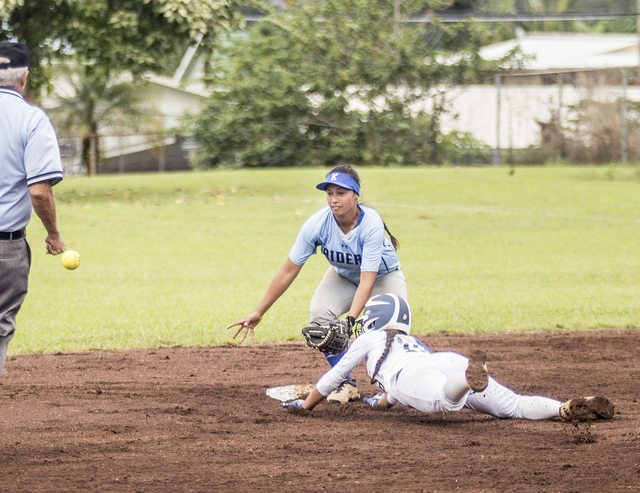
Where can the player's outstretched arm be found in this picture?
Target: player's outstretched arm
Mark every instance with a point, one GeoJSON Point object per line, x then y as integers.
{"type": "Point", "coordinates": [309, 403]}
{"type": "Point", "coordinates": [279, 284]}
{"type": "Point", "coordinates": [313, 399]}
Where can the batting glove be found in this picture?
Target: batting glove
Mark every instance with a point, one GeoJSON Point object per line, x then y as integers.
{"type": "Point", "coordinates": [297, 403]}
{"type": "Point", "coordinates": [373, 401]}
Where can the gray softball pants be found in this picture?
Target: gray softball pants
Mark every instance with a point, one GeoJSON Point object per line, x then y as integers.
{"type": "Point", "coordinates": [15, 262]}
{"type": "Point", "coordinates": [335, 294]}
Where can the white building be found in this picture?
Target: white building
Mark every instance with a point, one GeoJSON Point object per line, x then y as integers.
{"type": "Point", "coordinates": [506, 115]}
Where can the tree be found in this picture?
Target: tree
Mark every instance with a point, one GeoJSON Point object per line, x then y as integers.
{"type": "Point", "coordinates": [91, 101]}
{"type": "Point", "coordinates": [338, 80]}
{"type": "Point", "coordinates": [115, 35]}
{"type": "Point", "coordinates": [104, 40]}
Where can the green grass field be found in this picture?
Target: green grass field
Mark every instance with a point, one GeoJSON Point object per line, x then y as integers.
{"type": "Point", "coordinates": [172, 259]}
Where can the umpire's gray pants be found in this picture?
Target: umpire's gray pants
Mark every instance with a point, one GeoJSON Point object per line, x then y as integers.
{"type": "Point", "coordinates": [15, 261]}
{"type": "Point", "coordinates": [335, 294]}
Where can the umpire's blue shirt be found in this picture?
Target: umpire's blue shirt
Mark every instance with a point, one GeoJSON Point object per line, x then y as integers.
{"type": "Point", "coordinates": [29, 154]}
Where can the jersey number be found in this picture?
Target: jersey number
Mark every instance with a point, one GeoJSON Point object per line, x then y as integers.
{"type": "Point", "coordinates": [415, 346]}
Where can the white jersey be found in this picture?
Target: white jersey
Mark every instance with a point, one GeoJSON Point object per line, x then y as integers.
{"type": "Point", "coordinates": [363, 249]}
{"type": "Point", "coordinates": [369, 347]}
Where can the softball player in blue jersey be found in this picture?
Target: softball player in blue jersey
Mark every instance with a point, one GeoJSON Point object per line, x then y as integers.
{"type": "Point", "coordinates": [363, 262]}
{"type": "Point", "coordinates": [409, 373]}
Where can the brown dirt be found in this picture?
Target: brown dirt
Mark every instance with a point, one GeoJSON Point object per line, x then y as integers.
{"type": "Point", "coordinates": [197, 419]}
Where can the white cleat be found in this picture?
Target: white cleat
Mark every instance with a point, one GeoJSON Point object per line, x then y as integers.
{"type": "Point", "coordinates": [346, 391]}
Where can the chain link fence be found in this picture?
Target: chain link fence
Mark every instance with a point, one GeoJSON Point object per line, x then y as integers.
{"type": "Point", "coordinates": [568, 116]}
{"type": "Point", "coordinates": [124, 153]}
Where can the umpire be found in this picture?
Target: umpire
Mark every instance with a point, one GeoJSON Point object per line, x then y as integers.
{"type": "Point", "coordinates": [29, 167]}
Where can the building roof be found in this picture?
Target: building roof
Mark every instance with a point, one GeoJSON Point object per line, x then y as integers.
{"type": "Point", "coordinates": [567, 51]}
{"type": "Point", "coordinates": [188, 75]}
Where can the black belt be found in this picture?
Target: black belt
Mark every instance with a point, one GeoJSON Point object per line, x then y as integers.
{"type": "Point", "coordinates": [14, 235]}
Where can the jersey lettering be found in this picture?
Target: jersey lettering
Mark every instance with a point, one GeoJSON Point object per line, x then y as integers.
{"type": "Point", "coordinates": [341, 257]}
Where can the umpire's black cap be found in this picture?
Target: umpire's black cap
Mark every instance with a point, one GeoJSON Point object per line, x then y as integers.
{"type": "Point", "coordinates": [14, 55]}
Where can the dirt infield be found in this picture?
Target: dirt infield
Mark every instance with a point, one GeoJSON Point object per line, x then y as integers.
{"type": "Point", "coordinates": [198, 420]}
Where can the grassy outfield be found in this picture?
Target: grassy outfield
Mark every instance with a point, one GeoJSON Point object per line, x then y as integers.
{"type": "Point", "coordinates": [171, 259]}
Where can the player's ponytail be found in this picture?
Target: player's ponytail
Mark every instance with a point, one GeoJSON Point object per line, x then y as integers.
{"type": "Point", "coordinates": [391, 333]}
{"type": "Point", "coordinates": [394, 240]}
{"type": "Point", "coordinates": [348, 170]}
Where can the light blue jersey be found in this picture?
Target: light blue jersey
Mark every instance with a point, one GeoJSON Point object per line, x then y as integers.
{"type": "Point", "coordinates": [364, 249]}
{"type": "Point", "coordinates": [29, 154]}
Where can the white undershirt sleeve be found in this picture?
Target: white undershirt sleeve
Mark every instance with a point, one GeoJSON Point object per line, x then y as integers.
{"type": "Point", "coordinates": [355, 355]}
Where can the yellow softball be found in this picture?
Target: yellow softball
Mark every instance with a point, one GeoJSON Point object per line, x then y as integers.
{"type": "Point", "coordinates": [70, 259]}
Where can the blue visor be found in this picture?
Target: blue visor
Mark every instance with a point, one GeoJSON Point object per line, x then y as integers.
{"type": "Point", "coordinates": [341, 180]}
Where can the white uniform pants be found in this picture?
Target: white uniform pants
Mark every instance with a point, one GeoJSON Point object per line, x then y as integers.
{"type": "Point", "coordinates": [421, 383]}
{"type": "Point", "coordinates": [335, 294]}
